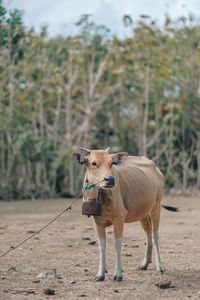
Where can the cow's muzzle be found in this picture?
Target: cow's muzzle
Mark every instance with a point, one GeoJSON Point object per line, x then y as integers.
{"type": "Point", "coordinates": [109, 182]}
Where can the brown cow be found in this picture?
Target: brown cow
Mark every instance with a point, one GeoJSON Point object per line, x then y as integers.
{"type": "Point", "coordinates": [132, 191]}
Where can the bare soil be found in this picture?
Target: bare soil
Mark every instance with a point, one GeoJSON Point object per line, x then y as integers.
{"type": "Point", "coordinates": [67, 253]}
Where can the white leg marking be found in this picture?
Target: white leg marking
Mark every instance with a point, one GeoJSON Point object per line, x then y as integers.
{"type": "Point", "coordinates": [158, 259]}
{"type": "Point", "coordinates": [102, 249]}
{"type": "Point", "coordinates": [118, 267]}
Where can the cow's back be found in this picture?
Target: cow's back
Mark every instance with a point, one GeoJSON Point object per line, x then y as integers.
{"type": "Point", "coordinates": [138, 183]}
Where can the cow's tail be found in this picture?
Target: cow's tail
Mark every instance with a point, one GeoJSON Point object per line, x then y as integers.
{"type": "Point", "coordinates": [171, 208]}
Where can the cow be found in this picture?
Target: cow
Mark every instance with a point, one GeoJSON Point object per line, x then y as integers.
{"type": "Point", "coordinates": [131, 190]}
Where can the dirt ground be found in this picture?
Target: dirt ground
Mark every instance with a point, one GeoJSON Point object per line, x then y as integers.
{"type": "Point", "coordinates": [67, 254]}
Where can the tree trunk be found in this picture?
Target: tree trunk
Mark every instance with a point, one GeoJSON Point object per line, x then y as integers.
{"type": "Point", "coordinates": [198, 165]}
{"type": "Point", "coordinates": [41, 113]}
{"type": "Point", "coordinates": [185, 165]}
{"type": "Point", "coordinates": [146, 111]}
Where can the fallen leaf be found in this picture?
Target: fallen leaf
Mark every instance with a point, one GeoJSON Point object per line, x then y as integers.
{"type": "Point", "coordinates": [60, 281]}
{"type": "Point", "coordinates": [36, 281]}
{"type": "Point", "coordinates": [12, 269]}
{"type": "Point", "coordinates": [72, 281]}
{"type": "Point", "coordinates": [170, 251]}
{"type": "Point", "coordinates": [92, 243]}
{"type": "Point", "coordinates": [127, 254]}
{"type": "Point", "coordinates": [76, 265]}
{"type": "Point", "coordinates": [163, 284]}
{"type": "Point", "coordinates": [48, 291]}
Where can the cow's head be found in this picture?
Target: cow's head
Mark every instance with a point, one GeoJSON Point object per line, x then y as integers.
{"type": "Point", "coordinates": [99, 164]}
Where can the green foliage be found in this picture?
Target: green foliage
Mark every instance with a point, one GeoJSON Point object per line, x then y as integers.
{"type": "Point", "coordinates": [95, 90]}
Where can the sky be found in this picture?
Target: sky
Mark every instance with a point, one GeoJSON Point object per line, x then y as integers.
{"type": "Point", "coordinates": [61, 15]}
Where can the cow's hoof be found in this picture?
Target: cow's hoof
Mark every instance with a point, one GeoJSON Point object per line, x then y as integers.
{"type": "Point", "coordinates": [162, 270]}
{"type": "Point", "coordinates": [117, 278]}
{"type": "Point", "coordinates": [99, 278]}
{"type": "Point", "coordinates": [142, 267]}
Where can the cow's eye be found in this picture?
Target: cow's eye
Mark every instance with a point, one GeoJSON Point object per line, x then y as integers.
{"type": "Point", "coordinates": [94, 164]}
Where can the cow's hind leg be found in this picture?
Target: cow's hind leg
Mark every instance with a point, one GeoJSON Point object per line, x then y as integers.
{"type": "Point", "coordinates": [146, 224]}
{"type": "Point", "coordinates": [155, 220]}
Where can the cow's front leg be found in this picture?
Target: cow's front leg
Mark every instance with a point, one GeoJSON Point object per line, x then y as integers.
{"type": "Point", "coordinates": [118, 224]}
{"type": "Point", "coordinates": [102, 249]}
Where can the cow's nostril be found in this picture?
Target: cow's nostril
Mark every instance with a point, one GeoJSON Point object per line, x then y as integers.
{"type": "Point", "coordinates": [110, 180]}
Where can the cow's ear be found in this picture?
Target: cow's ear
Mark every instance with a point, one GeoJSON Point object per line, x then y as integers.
{"type": "Point", "coordinates": [79, 157]}
{"type": "Point", "coordinates": [119, 157]}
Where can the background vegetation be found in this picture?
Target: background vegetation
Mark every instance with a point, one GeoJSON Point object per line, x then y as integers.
{"type": "Point", "coordinates": [139, 94]}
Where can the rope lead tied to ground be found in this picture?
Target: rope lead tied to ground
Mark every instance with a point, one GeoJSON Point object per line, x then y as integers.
{"type": "Point", "coordinates": [87, 188]}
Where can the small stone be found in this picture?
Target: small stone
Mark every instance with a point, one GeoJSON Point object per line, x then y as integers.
{"type": "Point", "coordinates": [85, 270]}
{"type": "Point", "coordinates": [92, 243]}
{"type": "Point", "coordinates": [72, 281]}
{"type": "Point", "coordinates": [85, 238]}
{"type": "Point", "coordinates": [135, 246]}
{"type": "Point", "coordinates": [12, 269]}
{"type": "Point", "coordinates": [127, 254]}
{"type": "Point", "coordinates": [25, 271]}
{"type": "Point", "coordinates": [76, 265]}
{"type": "Point", "coordinates": [36, 281]}
{"type": "Point", "coordinates": [116, 291]}
{"type": "Point", "coordinates": [170, 251]}
{"type": "Point", "coordinates": [49, 274]}
{"type": "Point", "coordinates": [48, 291]}
{"type": "Point", "coordinates": [60, 281]}
{"type": "Point", "coordinates": [163, 284]}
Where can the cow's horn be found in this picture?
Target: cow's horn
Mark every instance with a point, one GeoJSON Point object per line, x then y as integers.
{"type": "Point", "coordinates": [108, 149]}
{"type": "Point", "coordinates": [86, 150]}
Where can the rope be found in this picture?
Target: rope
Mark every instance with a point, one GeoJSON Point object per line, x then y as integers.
{"type": "Point", "coordinates": [87, 188]}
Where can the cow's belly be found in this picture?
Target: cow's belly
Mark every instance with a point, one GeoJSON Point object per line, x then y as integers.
{"type": "Point", "coordinates": [138, 209]}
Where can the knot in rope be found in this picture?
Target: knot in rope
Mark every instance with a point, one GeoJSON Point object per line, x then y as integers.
{"type": "Point", "coordinates": [88, 187]}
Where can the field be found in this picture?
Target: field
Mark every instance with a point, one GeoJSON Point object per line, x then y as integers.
{"type": "Point", "coordinates": [67, 255]}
